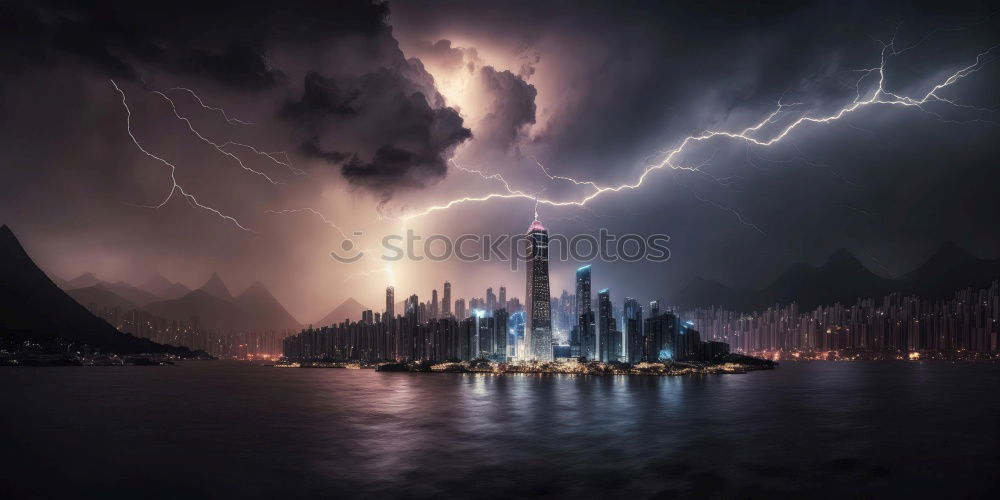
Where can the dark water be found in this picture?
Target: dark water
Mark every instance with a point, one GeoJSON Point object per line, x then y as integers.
{"type": "Point", "coordinates": [227, 429]}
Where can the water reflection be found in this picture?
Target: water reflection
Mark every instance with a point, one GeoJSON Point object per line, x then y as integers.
{"type": "Point", "coordinates": [806, 429]}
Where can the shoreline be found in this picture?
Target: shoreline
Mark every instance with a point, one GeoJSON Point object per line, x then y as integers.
{"type": "Point", "coordinates": [482, 366]}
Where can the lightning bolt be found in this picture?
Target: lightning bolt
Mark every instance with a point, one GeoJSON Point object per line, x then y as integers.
{"type": "Point", "coordinates": [230, 120]}
{"type": "Point", "coordinates": [175, 187]}
{"type": "Point", "coordinates": [315, 212]}
{"type": "Point", "coordinates": [272, 156]}
{"type": "Point", "coordinates": [218, 147]}
{"type": "Point", "coordinates": [752, 135]}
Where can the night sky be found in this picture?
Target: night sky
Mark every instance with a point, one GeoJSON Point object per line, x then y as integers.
{"type": "Point", "coordinates": [368, 112]}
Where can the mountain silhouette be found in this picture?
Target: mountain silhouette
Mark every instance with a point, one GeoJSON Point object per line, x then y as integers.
{"type": "Point", "coordinates": [123, 289]}
{"type": "Point", "coordinates": [349, 309]}
{"type": "Point", "coordinates": [208, 310]}
{"type": "Point", "coordinates": [84, 280]}
{"type": "Point", "coordinates": [133, 294]}
{"type": "Point", "coordinates": [949, 269]}
{"type": "Point", "coordinates": [266, 311]}
{"type": "Point", "coordinates": [255, 309]}
{"type": "Point", "coordinates": [215, 286]}
{"type": "Point", "coordinates": [33, 308]}
{"type": "Point", "coordinates": [843, 278]}
{"type": "Point", "coordinates": [164, 288]}
{"type": "Point", "coordinates": [100, 297]}
{"type": "Point", "coordinates": [61, 283]}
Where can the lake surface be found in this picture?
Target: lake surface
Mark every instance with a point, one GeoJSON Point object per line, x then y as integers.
{"type": "Point", "coordinates": [203, 429]}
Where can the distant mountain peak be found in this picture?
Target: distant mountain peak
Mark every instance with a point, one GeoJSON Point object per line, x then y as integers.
{"type": "Point", "coordinates": [256, 290]}
{"type": "Point", "coordinates": [266, 308]}
{"type": "Point", "coordinates": [162, 287]}
{"type": "Point", "coordinates": [84, 280]}
{"type": "Point", "coordinates": [256, 286]}
{"type": "Point", "coordinates": [351, 302]}
{"type": "Point", "coordinates": [950, 250]}
{"type": "Point", "coordinates": [215, 286]}
{"type": "Point", "coordinates": [348, 309]}
{"type": "Point", "coordinates": [842, 255]}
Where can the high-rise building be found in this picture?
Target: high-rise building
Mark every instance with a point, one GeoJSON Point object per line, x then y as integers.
{"type": "Point", "coordinates": [502, 298]}
{"type": "Point", "coordinates": [432, 308]}
{"type": "Point", "coordinates": [538, 309]}
{"type": "Point", "coordinates": [422, 313]}
{"type": "Point", "coordinates": [514, 305]}
{"type": "Point", "coordinates": [515, 328]}
{"type": "Point", "coordinates": [605, 327]}
{"type": "Point", "coordinates": [491, 302]}
{"type": "Point", "coordinates": [582, 343]}
{"type": "Point", "coordinates": [446, 301]}
{"type": "Point", "coordinates": [460, 309]}
{"type": "Point", "coordinates": [661, 336]}
{"type": "Point", "coordinates": [412, 306]}
{"type": "Point", "coordinates": [500, 333]}
{"type": "Point", "coordinates": [390, 303]}
{"type": "Point", "coordinates": [654, 308]}
{"type": "Point", "coordinates": [632, 328]}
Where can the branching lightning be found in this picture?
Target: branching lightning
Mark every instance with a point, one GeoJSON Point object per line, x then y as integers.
{"type": "Point", "coordinates": [272, 156]}
{"type": "Point", "coordinates": [218, 147]}
{"type": "Point", "coordinates": [753, 135]}
{"type": "Point", "coordinates": [313, 211]}
{"type": "Point", "coordinates": [175, 187]}
{"type": "Point", "coordinates": [230, 120]}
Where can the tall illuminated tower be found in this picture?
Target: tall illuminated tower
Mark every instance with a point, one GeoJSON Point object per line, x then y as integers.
{"type": "Point", "coordinates": [446, 301]}
{"type": "Point", "coordinates": [605, 327]}
{"type": "Point", "coordinates": [390, 304]}
{"type": "Point", "coordinates": [537, 305]}
{"type": "Point", "coordinates": [491, 302]}
{"type": "Point", "coordinates": [585, 341]}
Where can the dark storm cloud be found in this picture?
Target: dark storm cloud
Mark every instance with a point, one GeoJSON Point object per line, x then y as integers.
{"type": "Point", "coordinates": [226, 40]}
{"type": "Point", "coordinates": [232, 44]}
{"type": "Point", "coordinates": [511, 107]}
{"type": "Point", "coordinates": [320, 97]}
{"type": "Point", "coordinates": [414, 145]}
{"type": "Point", "coordinates": [410, 141]}
{"type": "Point", "coordinates": [311, 149]}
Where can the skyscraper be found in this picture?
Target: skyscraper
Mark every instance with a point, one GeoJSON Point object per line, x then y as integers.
{"type": "Point", "coordinates": [460, 309]}
{"type": "Point", "coordinates": [446, 301]}
{"type": "Point", "coordinates": [584, 341]}
{"type": "Point", "coordinates": [502, 298]}
{"type": "Point", "coordinates": [412, 306]}
{"type": "Point", "coordinates": [538, 309]}
{"type": "Point", "coordinates": [632, 326]}
{"type": "Point", "coordinates": [605, 327]}
{"type": "Point", "coordinates": [491, 302]}
{"type": "Point", "coordinates": [432, 308]}
{"type": "Point", "coordinates": [390, 304]}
